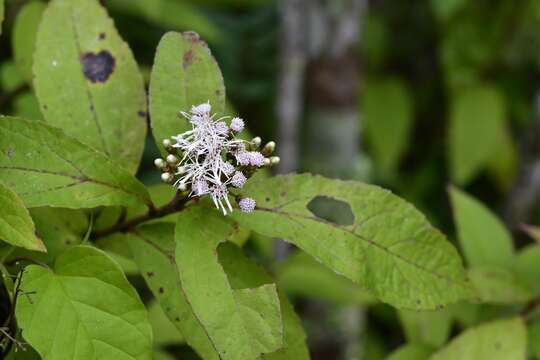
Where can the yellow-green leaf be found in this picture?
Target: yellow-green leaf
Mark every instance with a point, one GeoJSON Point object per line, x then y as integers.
{"type": "Point", "coordinates": [83, 309]}
{"type": "Point", "coordinates": [388, 116]}
{"type": "Point", "coordinates": [184, 74]}
{"type": "Point", "coordinates": [389, 248]}
{"type": "Point", "coordinates": [16, 225]}
{"type": "Point", "coordinates": [477, 126]}
{"type": "Point", "coordinates": [482, 236]}
{"type": "Point", "coordinates": [198, 233]}
{"type": "Point", "coordinates": [24, 36]}
{"type": "Point", "coordinates": [47, 168]}
{"type": "Point", "coordinates": [498, 340]}
{"type": "Point", "coordinates": [88, 82]}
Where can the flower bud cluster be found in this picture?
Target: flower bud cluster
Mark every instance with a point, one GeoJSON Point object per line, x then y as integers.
{"type": "Point", "coordinates": [210, 160]}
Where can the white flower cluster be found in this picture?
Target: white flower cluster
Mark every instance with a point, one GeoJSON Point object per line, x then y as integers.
{"type": "Point", "coordinates": [212, 159]}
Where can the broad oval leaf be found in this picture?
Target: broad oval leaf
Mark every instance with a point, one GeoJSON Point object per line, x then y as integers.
{"type": "Point", "coordinates": [498, 340]}
{"type": "Point", "coordinates": [88, 82]}
{"type": "Point", "coordinates": [496, 285]}
{"type": "Point", "coordinates": [483, 237]}
{"type": "Point", "coordinates": [387, 107]}
{"type": "Point", "coordinates": [229, 318]}
{"type": "Point", "coordinates": [390, 248]}
{"type": "Point", "coordinates": [477, 126]}
{"type": "Point", "coordinates": [152, 247]}
{"type": "Point", "coordinates": [47, 168]}
{"type": "Point", "coordinates": [83, 309]}
{"type": "Point", "coordinates": [58, 228]}
{"type": "Point", "coordinates": [24, 36]}
{"type": "Point", "coordinates": [184, 74]}
{"type": "Point", "coordinates": [430, 328]}
{"type": "Point", "coordinates": [527, 266]}
{"type": "Point", "coordinates": [16, 225]}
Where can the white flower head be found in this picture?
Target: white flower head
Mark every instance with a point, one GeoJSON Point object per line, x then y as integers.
{"type": "Point", "coordinates": [227, 168]}
{"type": "Point", "coordinates": [256, 158]}
{"type": "Point", "coordinates": [243, 158]}
{"type": "Point", "coordinates": [202, 109]}
{"type": "Point", "coordinates": [247, 205]}
{"type": "Point", "coordinates": [237, 124]}
{"type": "Point", "coordinates": [205, 152]}
{"type": "Point", "coordinates": [238, 180]}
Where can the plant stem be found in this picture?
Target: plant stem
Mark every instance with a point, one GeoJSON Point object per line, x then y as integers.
{"type": "Point", "coordinates": [530, 306]}
{"type": "Point", "coordinates": [175, 205]}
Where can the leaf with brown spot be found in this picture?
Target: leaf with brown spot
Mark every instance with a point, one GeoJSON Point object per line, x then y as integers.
{"type": "Point", "coordinates": [91, 83]}
{"type": "Point", "coordinates": [184, 74]}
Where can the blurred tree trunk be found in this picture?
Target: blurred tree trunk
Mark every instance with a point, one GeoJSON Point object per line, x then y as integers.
{"type": "Point", "coordinates": [332, 139]}
{"type": "Point", "coordinates": [318, 53]}
{"type": "Point", "coordinates": [523, 198]}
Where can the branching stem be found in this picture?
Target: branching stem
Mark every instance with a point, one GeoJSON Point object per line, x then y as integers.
{"type": "Point", "coordinates": [175, 205]}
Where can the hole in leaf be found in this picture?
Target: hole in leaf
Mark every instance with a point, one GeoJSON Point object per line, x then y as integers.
{"type": "Point", "coordinates": [332, 210]}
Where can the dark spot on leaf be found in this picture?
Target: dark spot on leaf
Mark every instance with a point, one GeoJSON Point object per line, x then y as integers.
{"type": "Point", "coordinates": [498, 346]}
{"type": "Point", "coordinates": [283, 193]}
{"type": "Point", "coordinates": [91, 108]}
{"type": "Point", "coordinates": [150, 273]}
{"type": "Point", "coordinates": [188, 58]}
{"type": "Point", "coordinates": [68, 242]}
{"type": "Point", "coordinates": [332, 210]}
{"type": "Point", "coordinates": [102, 36]}
{"type": "Point", "coordinates": [219, 92]}
{"type": "Point", "coordinates": [267, 199]}
{"type": "Point", "coordinates": [176, 319]}
{"type": "Point", "coordinates": [45, 107]}
{"type": "Point", "coordinates": [418, 302]}
{"type": "Point", "coordinates": [10, 152]}
{"type": "Point", "coordinates": [98, 67]}
{"type": "Point", "coordinates": [142, 114]}
{"type": "Point", "coordinates": [161, 290]}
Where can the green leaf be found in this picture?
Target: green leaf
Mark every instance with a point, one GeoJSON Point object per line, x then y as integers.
{"type": "Point", "coordinates": [198, 233]}
{"type": "Point", "coordinates": [88, 82]}
{"type": "Point", "coordinates": [242, 273]}
{"type": "Point", "coordinates": [390, 248]}
{"type": "Point", "coordinates": [165, 333]}
{"type": "Point", "coordinates": [153, 247]}
{"type": "Point", "coordinates": [16, 226]}
{"type": "Point", "coordinates": [498, 340]}
{"type": "Point", "coordinates": [84, 309]}
{"type": "Point", "coordinates": [24, 36]}
{"type": "Point", "coordinates": [426, 327]}
{"type": "Point", "coordinates": [184, 74]}
{"type": "Point", "coordinates": [477, 125]}
{"type": "Point", "coordinates": [498, 285]}
{"type": "Point", "coordinates": [411, 352]}
{"type": "Point", "coordinates": [527, 267]}
{"type": "Point", "coordinates": [164, 13]}
{"type": "Point", "coordinates": [387, 107]}
{"type": "Point", "coordinates": [47, 168]}
{"type": "Point", "coordinates": [483, 237]}
{"type": "Point", "coordinates": [58, 229]}
{"type": "Point", "coordinates": [259, 308]}
{"type": "Point", "coordinates": [300, 274]}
